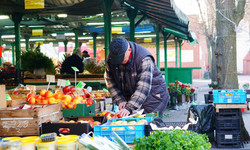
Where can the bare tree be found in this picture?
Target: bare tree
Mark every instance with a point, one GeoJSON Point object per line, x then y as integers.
{"type": "Point", "coordinates": [228, 15]}
{"type": "Point", "coordinates": [220, 23]}
{"type": "Point", "coordinates": [207, 15]}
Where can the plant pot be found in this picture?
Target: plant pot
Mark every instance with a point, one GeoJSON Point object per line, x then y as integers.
{"type": "Point", "coordinates": [187, 98]}
{"type": "Point", "coordinates": [180, 99]}
{"type": "Point", "coordinates": [173, 96]}
{"type": "Point", "coordinates": [191, 98]}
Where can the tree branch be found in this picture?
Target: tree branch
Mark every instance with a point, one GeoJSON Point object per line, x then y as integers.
{"type": "Point", "coordinates": [240, 11]}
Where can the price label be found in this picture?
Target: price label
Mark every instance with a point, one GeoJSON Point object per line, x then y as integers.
{"type": "Point", "coordinates": [80, 85]}
{"type": "Point", "coordinates": [31, 87]}
{"type": "Point", "coordinates": [8, 97]}
{"type": "Point", "coordinates": [50, 78]}
{"type": "Point", "coordinates": [78, 92]}
{"type": "Point", "coordinates": [89, 88]}
{"type": "Point", "coordinates": [74, 68]}
{"type": "Point", "coordinates": [105, 90]}
{"type": "Point", "coordinates": [61, 82]}
{"type": "Point", "coordinates": [67, 83]}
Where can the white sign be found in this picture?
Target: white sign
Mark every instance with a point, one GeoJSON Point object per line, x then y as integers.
{"type": "Point", "coordinates": [186, 56]}
{"type": "Point", "coordinates": [61, 82]}
{"type": "Point", "coordinates": [50, 78]}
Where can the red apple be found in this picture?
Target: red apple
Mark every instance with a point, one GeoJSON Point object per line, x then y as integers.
{"type": "Point", "coordinates": [48, 94]}
{"type": "Point", "coordinates": [70, 105]}
{"type": "Point", "coordinates": [15, 92]}
{"type": "Point", "coordinates": [42, 92]}
{"type": "Point", "coordinates": [89, 101]}
{"type": "Point", "coordinates": [66, 89]}
{"type": "Point", "coordinates": [39, 99]}
{"type": "Point", "coordinates": [32, 100]}
{"type": "Point", "coordinates": [72, 89]}
{"type": "Point", "coordinates": [52, 100]}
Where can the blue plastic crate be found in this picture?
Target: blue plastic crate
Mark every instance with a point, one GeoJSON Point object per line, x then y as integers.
{"type": "Point", "coordinates": [127, 132]}
{"type": "Point", "coordinates": [148, 119]}
{"type": "Point", "coordinates": [229, 96]}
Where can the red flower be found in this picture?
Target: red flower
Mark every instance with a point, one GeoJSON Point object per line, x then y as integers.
{"type": "Point", "coordinates": [192, 90]}
{"type": "Point", "coordinates": [182, 86]}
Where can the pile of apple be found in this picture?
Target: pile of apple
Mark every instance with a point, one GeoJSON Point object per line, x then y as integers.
{"type": "Point", "coordinates": [68, 99]}
{"type": "Point", "coordinates": [109, 115]}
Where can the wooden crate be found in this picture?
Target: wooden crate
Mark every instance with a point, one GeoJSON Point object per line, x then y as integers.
{"type": "Point", "coordinates": [230, 106]}
{"type": "Point", "coordinates": [27, 122]}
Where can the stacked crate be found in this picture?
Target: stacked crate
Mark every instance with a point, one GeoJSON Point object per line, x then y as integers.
{"type": "Point", "coordinates": [227, 123]}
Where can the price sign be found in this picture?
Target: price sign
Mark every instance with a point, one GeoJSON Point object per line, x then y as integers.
{"type": "Point", "coordinates": [67, 83]}
{"type": "Point", "coordinates": [8, 97]}
{"type": "Point", "coordinates": [89, 88]}
{"type": "Point", "coordinates": [50, 78]}
{"type": "Point", "coordinates": [80, 85]}
{"type": "Point", "coordinates": [61, 82]}
{"type": "Point", "coordinates": [31, 87]}
{"type": "Point", "coordinates": [74, 68]}
{"type": "Point", "coordinates": [34, 4]}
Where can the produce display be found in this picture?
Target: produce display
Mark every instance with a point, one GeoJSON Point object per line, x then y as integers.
{"type": "Point", "coordinates": [68, 97]}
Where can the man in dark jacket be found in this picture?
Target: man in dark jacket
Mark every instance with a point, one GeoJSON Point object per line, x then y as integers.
{"type": "Point", "coordinates": [75, 60]}
{"type": "Point", "coordinates": [133, 79]}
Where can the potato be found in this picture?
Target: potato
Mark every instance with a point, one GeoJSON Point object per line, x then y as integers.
{"type": "Point", "coordinates": [132, 123]}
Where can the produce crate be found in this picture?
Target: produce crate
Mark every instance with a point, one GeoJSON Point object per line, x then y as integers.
{"type": "Point", "coordinates": [228, 138]}
{"type": "Point", "coordinates": [66, 128]}
{"type": "Point", "coordinates": [27, 122]}
{"type": "Point", "coordinates": [148, 119]}
{"type": "Point", "coordinates": [229, 96]}
{"type": "Point", "coordinates": [15, 102]}
{"type": "Point", "coordinates": [222, 123]}
{"type": "Point", "coordinates": [228, 113]}
{"type": "Point", "coordinates": [72, 128]}
{"type": "Point", "coordinates": [80, 111]}
{"type": "Point", "coordinates": [127, 132]}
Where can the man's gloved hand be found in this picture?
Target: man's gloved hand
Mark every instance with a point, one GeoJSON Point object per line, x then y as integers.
{"type": "Point", "coordinates": [122, 105]}
{"type": "Point", "coordinates": [124, 112]}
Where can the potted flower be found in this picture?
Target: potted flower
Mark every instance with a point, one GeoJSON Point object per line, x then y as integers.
{"type": "Point", "coordinates": [189, 92]}
{"type": "Point", "coordinates": [180, 92]}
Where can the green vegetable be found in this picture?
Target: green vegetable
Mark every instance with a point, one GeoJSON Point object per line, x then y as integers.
{"type": "Point", "coordinates": [173, 140]}
{"type": "Point", "coordinates": [32, 60]}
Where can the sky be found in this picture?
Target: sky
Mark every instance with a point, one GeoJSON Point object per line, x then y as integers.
{"type": "Point", "coordinates": [189, 7]}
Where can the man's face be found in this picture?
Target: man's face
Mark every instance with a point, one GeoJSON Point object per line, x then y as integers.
{"type": "Point", "coordinates": [126, 56]}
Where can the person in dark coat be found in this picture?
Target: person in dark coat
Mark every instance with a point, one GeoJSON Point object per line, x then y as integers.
{"type": "Point", "coordinates": [133, 79]}
{"type": "Point", "coordinates": [75, 60]}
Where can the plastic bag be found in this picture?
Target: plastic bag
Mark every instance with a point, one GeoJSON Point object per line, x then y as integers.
{"type": "Point", "coordinates": [205, 115]}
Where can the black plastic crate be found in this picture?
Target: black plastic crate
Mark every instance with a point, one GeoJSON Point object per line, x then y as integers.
{"type": "Point", "coordinates": [228, 136]}
{"type": "Point", "coordinates": [66, 128]}
{"type": "Point", "coordinates": [228, 113]}
{"type": "Point", "coordinates": [221, 123]}
{"type": "Point", "coordinates": [228, 145]}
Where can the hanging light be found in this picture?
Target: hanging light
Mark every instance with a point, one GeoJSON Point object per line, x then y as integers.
{"type": "Point", "coordinates": [4, 17]}
{"type": "Point", "coordinates": [62, 15]}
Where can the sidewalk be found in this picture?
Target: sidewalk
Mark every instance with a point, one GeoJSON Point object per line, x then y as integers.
{"type": "Point", "coordinates": [181, 114]}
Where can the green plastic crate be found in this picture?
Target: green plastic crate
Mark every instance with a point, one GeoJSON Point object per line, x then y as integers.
{"type": "Point", "coordinates": [81, 110]}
